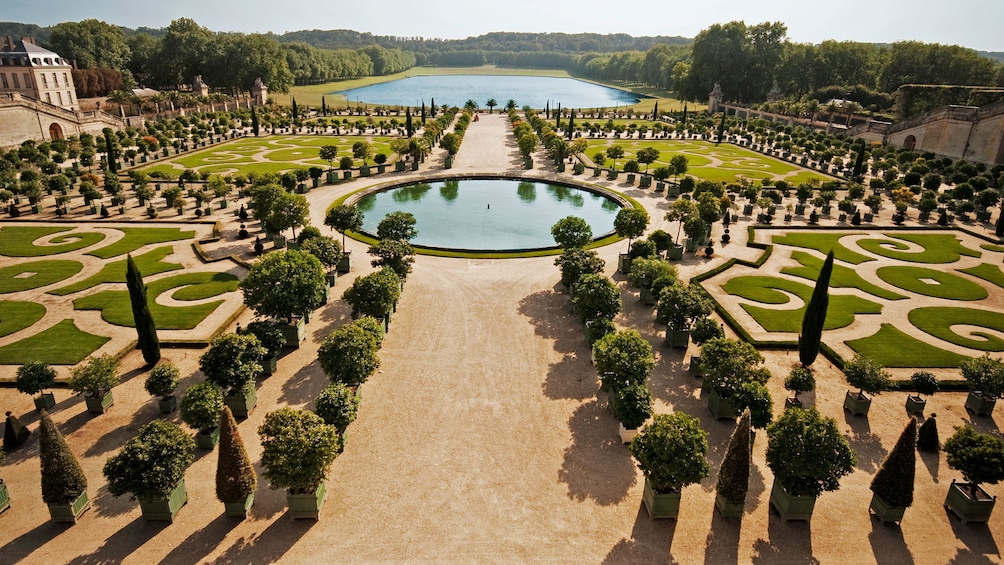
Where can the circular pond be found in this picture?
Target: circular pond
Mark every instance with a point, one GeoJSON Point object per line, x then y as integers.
{"type": "Point", "coordinates": [488, 214]}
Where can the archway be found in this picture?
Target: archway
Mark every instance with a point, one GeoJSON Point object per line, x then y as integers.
{"type": "Point", "coordinates": [910, 142]}
{"type": "Point", "coordinates": [55, 132]}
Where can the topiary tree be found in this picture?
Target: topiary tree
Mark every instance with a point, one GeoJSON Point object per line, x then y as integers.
{"type": "Point", "coordinates": [344, 218]}
{"type": "Point", "coordinates": [337, 406]}
{"type": "Point", "coordinates": [396, 254]}
{"type": "Point", "coordinates": [630, 222]}
{"type": "Point", "coordinates": [284, 284]}
{"type": "Point", "coordinates": [63, 479]}
{"type": "Point", "coordinates": [807, 452]}
{"type": "Point", "coordinates": [927, 436]}
{"type": "Point", "coordinates": [200, 407]}
{"type": "Point", "coordinates": [632, 404]}
{"type": "Point", "coordinates": [575, 262]}
{"type": "Point", "coordinates": [680, 305]}
{"type": "Point", "coordinates": [571, 231]}
{"type": "Point", "coordinates": [233, 361]}
{"type": "Point", "coordinates": [235, 476]}
{"type": "Point", "coordinates": [397, 225]}
{"type": "Point", "coordinates": [151, 464]}
{"type": "Point", "coordinates": [623, 358]}
{"type": "Point", "coordinates": [374, 294]}
{"type": "Point", "coordinates": [146, 329]}
{"type": "Point", "coordinates": [163, 379]}
{"type": "Point", "coordinates": [893, 482]}
{"type": "Point", "coordinates": [671, 452]}
{"type": "Point", "coordinates": [980, 457]}
{"type": "Point", "coordinates": [815, 315]}
{"type": "Point", "coordinates": [297, 449]}
{"type": "Point", "coordinates": [734, 474]}
{"type": "Point", "coordinates": [33, 377]}
{"type": "Point", "coordinates": [866, 375]}
{"type": "Point", "coordinates": [349, 355]}
{"type": "Point", "coordinates": [799, 380]}
{"type": "Point", "coordinates": [95, 376]}
{"type": "Point", "coordinates": [596, 296]}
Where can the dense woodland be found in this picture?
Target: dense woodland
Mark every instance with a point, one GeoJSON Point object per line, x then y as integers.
{"type": "Point", "coordinates": [747, 60]}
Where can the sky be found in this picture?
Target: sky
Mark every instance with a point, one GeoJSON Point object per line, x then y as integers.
{"type": "Point", "coordinates": [971, 23]}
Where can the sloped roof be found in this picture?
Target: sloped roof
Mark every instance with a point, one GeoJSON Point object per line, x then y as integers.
{"type": "Point", "coordinates": [33, 55]}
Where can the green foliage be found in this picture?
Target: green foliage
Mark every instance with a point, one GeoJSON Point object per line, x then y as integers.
{"type": "Point", "coordinates": [571, 231]}
{"type": "Point", "coordinates": [671, 452]}
{"type": "Point", "coordinates": [284, 284]}
{"type": "Point", "coordinates": [325, 248]}
{"type": "Point", "coordinates": [734, 474]}
{"type": "Point", "coordinates": [62, 478]}
{"type": "Point", "coordinates": [397, 225]}
{"type": "Point", "coordinates": [623, 358]}
{"type": "Point", "coordinates": [201, 405]}
{"type": "Point", "coordinates": [33, 377]}
{"type": "Point", "coordinates": [730, 363]}
{"type": "Point", "coordinates": [810, 338]}
{"type": "Point", "coordinates": [643, 248]}
{"type": "Point", "coordinates": [288, 211]}
{"type": "Point", "coordinates": [866, 375]}
{"type": "Point", "coordinates": [645, 271]}
{"type": "Point", "coordinates": [151, 464]}
{"type": "Point", "coordinates": [163, 379]}
{"type": "Point", "coordinates": [924, 383]}
{"type": "Point", "coordinates": [95, 376]}
{"type": "Point", "coordinates": [704, 329]}
{"type": "Point", "coordinates": [233, 361]}
{"type": "Point", "coordinates": [927, 437]}
{"type": "Point", "coordinates": [337, 405]}
{"type": "Point", "coordinates": [754, 396]}
{"type": "Point", "coordinates": [800, 380]}
{"type": "Point", "coordinates": [373, 326]}
{"type": "Point", "coordinates": [630, 222]}
{"type": "Point", "coordinates": [297, 449]}
{"type": "Point", "coordinates": [631, 404]}
{"type": "Point", "coordinates": [349, 355]}
{"type": "Point", "coordinates": [575, 262]}
{"type": "Point", "coordinates": [146, 330]}
{"type": "Point", "coordinates": [985, 375]}
{"type": "Point", "coordinates": [980, 457]}
{"type": "Point", "coordinates": [596, 296]}
{"type": "Point", "coordinates": [681, 304]}
{"type": "Point", "coordinates": [374, 294]}
{"type": "Point", "coordinates": [807, 452]}
{"type": "Point", "coordinates": [893, 482]}
{"type": "Point", "coordinates": [396, 254]}
{"type": "Point", "coordinates": [235, 476]}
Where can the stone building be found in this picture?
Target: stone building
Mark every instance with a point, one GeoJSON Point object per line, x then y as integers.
{"type": "Point", "coordinates": [36, 73]}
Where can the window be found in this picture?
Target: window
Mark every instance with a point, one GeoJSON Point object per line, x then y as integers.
{"type": "Point", "coordinates": [17, 83]}
{"type": "Point", "coordinates": [27, 80]}
{"type": "Point", "coordinates": [48, 98]}
{"type": "Point", "coordinates": [3, 77]}
{"type": "Point", "coordinates": [60, 95]}
{"type": "Point", "coordinates": [66, 81]}
{"type": "Point", "coordinates": [55, 81]}
{"type": "Point", "coordinates": [45, 83]}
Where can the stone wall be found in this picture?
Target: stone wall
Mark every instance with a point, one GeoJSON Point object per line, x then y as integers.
{"type": "Point", "coordinates": [24, 118]}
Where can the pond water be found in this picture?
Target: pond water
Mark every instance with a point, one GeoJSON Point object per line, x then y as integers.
{"type": "Point", "coordinates": [455, 90]}
{"type": "Point", "coordinates": [488, 214]}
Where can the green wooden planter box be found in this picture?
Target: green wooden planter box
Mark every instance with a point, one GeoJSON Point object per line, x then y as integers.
{"type": "Point", "coordinates": [691, 245]}
{"type": "Point", "coordinates": [306, 505]}
{"type": "Point", "coordinates": [99, 404]}
{"type": "Point", "coordinates": [630, 178]}
{"type": "Point", "coordinates": [612, 174]}
{"type": "Point", "coordinates": [294, 333]}
{"type": "Point", "coordinates": [857, 405]}
{"type": "Point", "coordinates": [672, 191]}
{"type": "Point", "coordinates": [915, 404]}
{"type": "Point", "coordinates": [167, 404]}
{"type": "Point", "coordinates": [660, 505]}
{"type": "Point", "coordinates": [646, 296]}
{"type": "Point", "coordinates": [677, 338]}
{"type": "Point", "coordinates": [561, 166]}
{"type": "Point", "coordinates": [579, 168]}
{"type": "Point", "coordinates": [364, 171]}
{"type": "Point", "coordinates": [269, 365]}
{"type": "Point", "coordinates": [45, 401]}
{"type": "Point", "coordinates": [789, 506]}
{"type": "Point", "coordinates": [624, 263]}
{"type": "Point", "coordinates": [399, 166]}
{"type": "Point", "coordinates": [448, 163]}
{"type": "Point", "coordinates": [414, 165]}
{"type": "Point", "coordinates": [381, 169]}
{"type": "Point", "coordinates": [721, 408]}
{"type": "Point", "coordinates": [790, 402]}
{"type": "Point", "coordinates": [68, 513]}
{"type": "Point", "coordinates": [331, 277]}
{"type": "Point", "coordinates": [729, 509]}
{"type": "Point", "coordinates": [675, 253]}
{"type": "Point", "coordinates": [241, 404]}
{"type": "Point", "coordinates": [967, 509]}
{"type": "Point", "coordinates": [980, 405]}
{"type": "Point", "coordinates": [4, 497]}
{"type": "Point", "coordinates": [527, 163]}
{"type": "Point", "coordinates": [239, 509]}
{"type": "Point", "coordinates": [207, 441]}
{"type": "Point", "coordinates": [884, 512]}
{"type": "Point", "coordinates": [157, 509]}
{"type": "Point", "coordinates": [346, 175]}
{"type": "Point", "coordinates": [344, 264]}
{"type": "Point", "coordinates": [645, 182]}
{"type": "Point", "coordinates": [597, 171]}
{"type": "Point", "coordinates": [332, 177]}
{"type": "Point", "coordinates": [695, 367]}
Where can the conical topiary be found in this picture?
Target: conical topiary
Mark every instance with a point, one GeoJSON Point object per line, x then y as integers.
{"type": "Point", "coordinates": [894, 481]}
{"type": "Point", "coordinates": [927, 436]}
{"type": "Point", "coordinates": [14, 433]}
{"type": "Point", "coordinates": [235, 477]}
{"type": "Point", "coordinates": [62, 478]}
{"type": "Point", "coordinates": [734, 476]}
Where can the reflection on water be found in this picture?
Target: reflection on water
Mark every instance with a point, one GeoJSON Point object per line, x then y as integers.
{"type": "Point", "coordinates": [449, 190]}
{"type": "Point", "coordinates": [527, 191]}
{"type": "Point", "coordinates": [411, 193]}
{"type": "Point", "coordinates": [573, 196]}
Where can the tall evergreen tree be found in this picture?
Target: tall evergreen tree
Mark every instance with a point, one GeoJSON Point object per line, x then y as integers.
{"type": "Point", "coordinates": [432, 108]}
{"type": "Point", "coordinates": [407, 122]}
{"type": "Point", "coordinates": [571, 124]}
{"type": "Point", "coordinates": [557, 113]}
{"type": "Point", "coordinates": [324, 107]}
{"type": "Point", "coordinates": [254, 121]}
{"type": "Point", "coordinates": [423, 112]}
{"type": "Point", "coordinates": [63, 479]}
{"type": "Point", "coordinates": [815, 315]}
{"type": "Point", "coordinates": [721, 129]}
{"type": "Point", "coordinates": [684, 120]}
{"type": "Point", "coordinates": [235, 476]}
{"type": "Point", "coordinates": [145, 328]}
{"type": "Point", "coordinates": [547, 110]}
{"type": "Point", "coordinates": [296, 111]}
{"type": "Point", "coordinates": [734, 475]}
{"type": "Point", "coordinates": [859, 162]}
{"type": "Point", "coordinates": [655, 111]}
{"type": "Point", "coordinates": [999, 228]}
{"type": "Point", "coordinates": [110, 150]}
{"type": "Point", "coordinates": [894, 480]}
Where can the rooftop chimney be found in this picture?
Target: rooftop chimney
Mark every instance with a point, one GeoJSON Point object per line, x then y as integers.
{"type": "Point", "coordinates": [28, 40]}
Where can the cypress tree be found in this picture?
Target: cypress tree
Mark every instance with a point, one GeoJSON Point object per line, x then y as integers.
{"type": "Point", "coordinates": [423, 112]}
{"type": "Point", "coordinates": [110, 150]}
{"type": "Point", "coordinates": [894, 481]}
{"type": "Point", "coordinates": [571, 124]}
{"type": "Point", "coordinates": [295, 110]}
{"type": "Point", "coordinates": [432, 108]}
{"type": "Point", "coordinates": [684, 120]}
{"type": "Point", "coordinates": [324, 107]}
{"type": "Point", "coordinates": [721, 129]}
{"type": "Point", "coordinates": [407, 122]}
{"type": "Point", "coordinates": [655, 111]}
{"type": "Point", "coordinates": [734, 476]}
{"type": "Point", "coordinates": [557, 114]}
{"type": "Point", "coordinates": [235, 477]}
{"type": "Point", "coordinates": [547, 110]}
{"type": "Point", "coordinates": [999, 229]}
{"type": "Point", "coordinates": [815, 315]}
{"type": "Point", "coordinates": [62, 478]}
{"type": "Point", "coordinates": [254, 121]}
{"type": "Point", "coordinates": [146, 330]}
{"type": "Point", "coordinates": [859, 162]}
{"type": "Point", "coordinates": [927, 437]}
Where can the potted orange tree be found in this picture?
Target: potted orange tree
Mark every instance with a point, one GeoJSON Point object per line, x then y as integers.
{"type": "Point", "coordinates": [34, 377]}
{"type": "Point", "coordinates": [162, 382]}
{"type": "Point", "coordinates": [297, 450]}
{"type": "Point", "coordinates": [671, 453]}
{"type": "Point", "coordinates": [986, 381]}
{"type": "Point", "coordinates": [95, 378]}
{"type": "Point", "coordinates": [980, 458]}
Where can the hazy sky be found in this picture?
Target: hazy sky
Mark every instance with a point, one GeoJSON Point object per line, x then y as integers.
{"type": "Point", "coordinates": [972, 23]}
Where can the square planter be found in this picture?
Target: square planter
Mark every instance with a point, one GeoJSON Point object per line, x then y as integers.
{"type": "Point", "coordinates": [269, 365]}
{"type": "Point", "coordinates": [677, 338]}
{"type": "Point", "coordinates": [630, 178]}
{"type": "Point", "coordinates": [915, 404]}
{"type": "Point", "coordinates": [675, 253]}
{"type": "Point", "coordinates": [691, 245]}
{"type": "Point", "coordinates": [381, 169]}
{"type": "Point", "coordinates": [980, 405]}
{"type": "Point", "coordinates": [626, 434]}
{"type": "Point", "coordinates": [721, 408]}
{"type": "Point", "coordinates": [156, 509]}
{"type": "Point", "coordinates": [646, 296]}
{"type": "Point", "coordinates": [967, 508]}
{"type": "Point", "coordinates": [331, 277]}
{"type": "Point", "coordinates": [346, 175]}
{"type": "Point", "coordinates": [729, 509]}
{"type": "Point", "coordinates": [612, 174]}
{"type": "Point", "coordinates": [332, 177]}
{"type": "Point", "coordinates": [672, 191]}
{"type": "Point", "coordinates": [344, 264]}
{"type": "Point", "coordinates": [660, 505]}
{"type": "Point", "coordinates": [624, 263]}
{"type": "Point", "coordinates": [209, 440]}
{"type": "Point", "coordinates": [790, 402]}
{"type": "Point", "coordinates": [414, 165]}
{"type": "Point", "coordinates": [68, 513]}
{"type": "Point", "coordinates": [695, 366]}
{"type": "Point", "coordinates": [99, 404]}
{"type": "Point", "coordinates": [306, 505]}
{"type": "Point", "coordinates": [579, 168]}
{"type": "Point", "coordinates": [45, 401]}
{"type": "Point", "coordinates": [239, 509]}
{"type": "Point", "coordinates": [597, 171]}
{"type": "Point", "coordinates": [4, 497]}
{"type": "Point", "coordinates": [857, 404]}
{"type": "Point", "coordinates": [241, 404]}
{"type": "Point", "coordinates": [789, 506]}
{"type": "Point", "coordinates": [399, 166]}
{"type": "Point", "coordinates": [884, 512]}
{"type": "Point", "coordinates": [364, 171]}
{"type": "Point", "coordinates": [167, 404]}
{"type": "Point", "coordinates": [644, 182]}
{"type": "Point", "coordinates": [294, 333]}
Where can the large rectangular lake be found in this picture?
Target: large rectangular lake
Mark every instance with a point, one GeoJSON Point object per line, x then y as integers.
{"type": "Point", "coordinates": [455, 90]}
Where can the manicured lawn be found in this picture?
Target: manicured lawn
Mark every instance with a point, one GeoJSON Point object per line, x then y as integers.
{"type": "Point", "coordinates": [929, 282]}
{"type": "Point", "coordinates": [822, 242]}
{"type": "Point", "coordinates": [62, 344]}
{"type": "Point", "coordinates": [772, 290]}
{"type": "Point", "coordinates": [894, 348]}
{"type": "Point", "coordinates": [939, 248]}
{"type": "Point", "coordinates": [149, 263]}
{"type": "Point", "coordinates": [938, 321]}
{"type": "Point", "coordinates": [136, 238]}
{"type": "Point", "coordinates": [15, 315]}
{"type": "Point", "coordinates": [116, 309]}
{"type": "Point", "coordinates": [42, 273]}
{"type": "Point", "coordinates": [842, 277]}
{"type": "Point", "coordinates": [18, 241]}
{"type": "Point", "coordinates": [987, 272]}
{"type": "Point", "coordinates": [992, 247]}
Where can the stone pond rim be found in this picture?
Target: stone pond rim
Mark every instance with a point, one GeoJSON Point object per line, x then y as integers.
{"type": "Point", "coordinates": [600, 240]}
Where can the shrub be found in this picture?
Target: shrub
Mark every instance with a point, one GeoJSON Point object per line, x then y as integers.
{"type": "Point", "coordinates": [269, 335]}
{"type": "Point", "coordinates": [729, 363]}
{"type": "Point", "coordinates": [151, 464]}
{"type": "Point", "coordinates": [284, 284]}
{"type": "Point", "coordinates": [571, 231]}
{"type": "Point", "coordinates": [645, 271]}
{"type": "Point", "coordinates": [337, 405]}
{"type": "Point", "coordinates": [985, 375]}
{"type": "Point", "coordinates": [800, 380]}
{"type": "Point", "coordinates": [33, 377]}
{"type": "Point", "coordinates": [201, 405]}
{"type": "Point", "coordinates": [349, 355]}
{"type": "Point", "coordinates": [631, 404]}
{"type": "Point", "coordinates": [575, 262]}
{"type": "Point", "coordinates": [233, 361]}
{"type": "Point", "coordinates": [866, 375]}
{"type": "Point", "coordinates": [755, 397]}
{"type": "Point", "coordinates": [671, 452]}
{"type": "Point", "coordinates": [623, 358]}
{"type": "Point", "coordinates": [927, 437]}
{"type": "Point", "coordinates": [705, 329]}
{"type": "Point", "coordinates": [297, 449]}
{"type": "Point", "coordinates": [235, 476]}
{"type": "Point", "coordinates": [980, 457]}
{"type": "Point", "coordinates": [925, 383]}
{"type": "Point", "coordinates": [681, 304]}
{"type": "Point", "coordinates": [95, 376]}
{"type": "Point", "coordinates": [62, 478]}
{"type": "Point", "coordinates": [163, 379]}
{"type": "Point", "coordinates": [807, 452]}
{"type": "Point", "coordinates": [374, 294]}
{"type": "Point", "coordinates": [373, 326]}
{"type": "Point", "coordinates": [734, 475]}
{"type": "Point", "coordinates": [893, 482]}
{"type": "Point", "coordinates": [596, 296]}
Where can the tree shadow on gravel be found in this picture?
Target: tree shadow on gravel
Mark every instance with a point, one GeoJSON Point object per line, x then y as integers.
{"type": "Point", "coordinates": [20, 547]}
{"type": "Point", "coordinates": [104, 504]}
{"type": "Point", "coordinates": [722, 544]}
{"type": "Point", "coordinates": [552, 318]}
{"type": "Point", "coordinates": [932, 461]}
{"type": "Point", "coordinates": [573, 377]}
{"type": "Point", "coordinates": [650, 542]}
{"type": "Point", "coordinates": [304, 386]}
{"type": "Point", "coordinates": [787, 542]}
{"type": "Point", "coordinates": [978, 539]}
{"type": "Point", "coordinates": [597, 465]}
{"type": "Point", "coordinates": [888, 546]}
{"type": "Point", "coordinates": [122, 543]}
{"type": "Point", "coordinates": [268, 546]}
{"type": "Point", "coordinates": [865, 443]}
{"type": "Point", "coordinates": [201, 543]}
